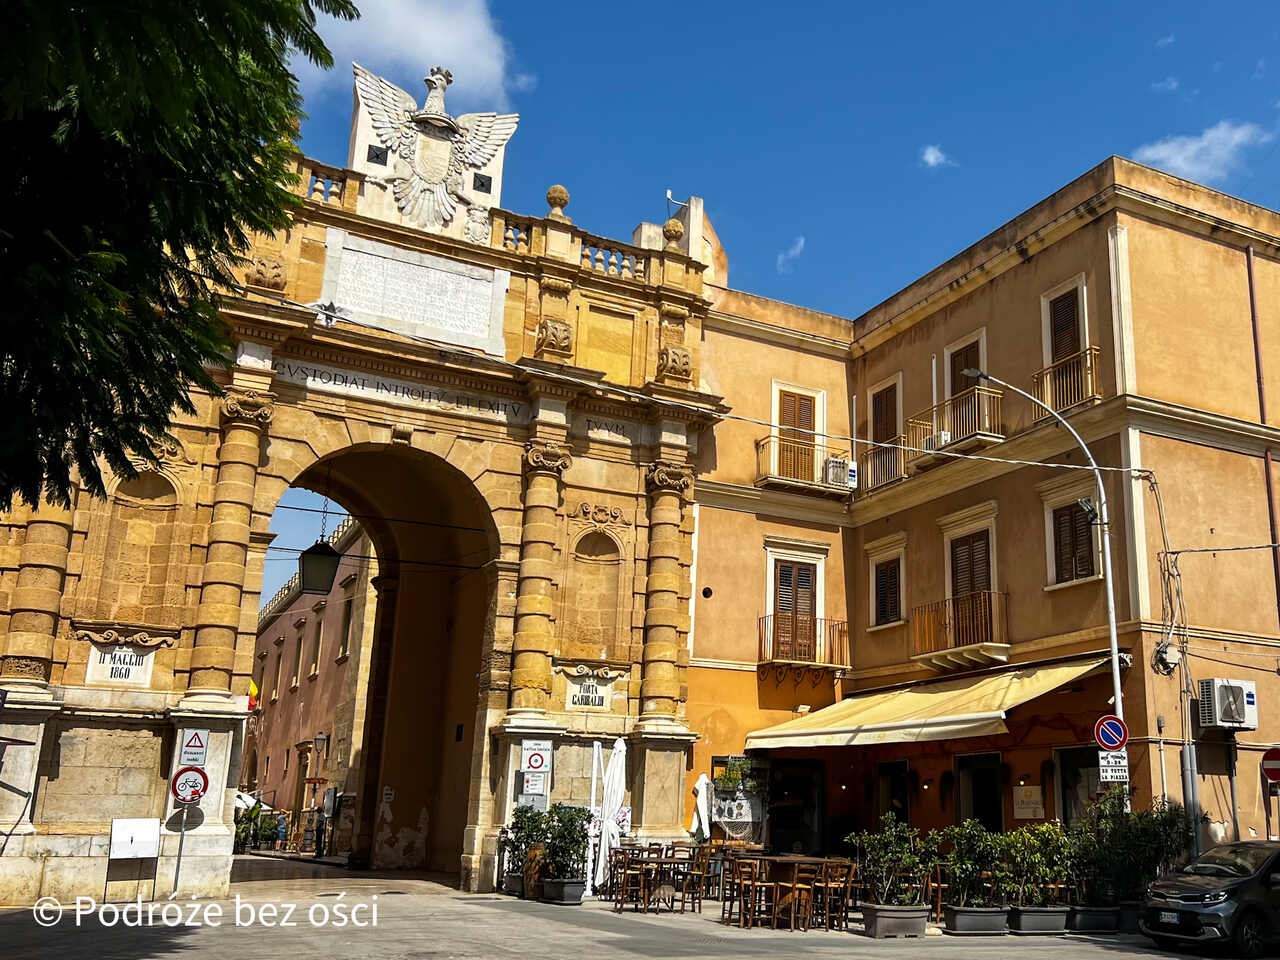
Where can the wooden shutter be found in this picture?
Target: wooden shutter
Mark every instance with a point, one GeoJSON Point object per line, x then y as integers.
{"type": "Point", "coordinates": [1072, 543]}
{"type": "Point", "coordinates": [1064, 325]}
{"type": "Point", "coordinates": [794, 605]}
{"type": "Point", "coordinates": [884, 414]}
{"type": "Point", "coordinates": [962, 359]}
{"type": "Point", "coordinates": [795, 443]}
{"type": "Point", "coordinates": [888, 591]}
{"type": "Point", "coordinates": [970, 564]}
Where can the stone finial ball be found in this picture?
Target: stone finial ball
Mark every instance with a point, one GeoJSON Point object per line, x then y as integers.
{"type": "Point", "coordinates": [557, 196]}
{"type": "Point", "coordinates": [673, 230]}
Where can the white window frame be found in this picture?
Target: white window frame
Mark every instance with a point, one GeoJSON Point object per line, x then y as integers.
{"type": "Point", "coordinates": [1059, 492]}
{"type": "Point", "coordinates": [1080, 283]}
{"type": "Point", "coordinates": [894, 380]}
{"type": "Point", "coordinates": [878, 551]}
{"type": "Point", "coordinates": [981, 516]}
{"type": "Point", "coordinates": [979, 335]}
{"type": "Point", "coordinates": [797, 551]}
{"type": "Point", "coordinates": [819, 422]}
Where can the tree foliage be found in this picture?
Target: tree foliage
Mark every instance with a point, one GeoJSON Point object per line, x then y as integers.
{"type": "Point", "coordinates": [145, 142]}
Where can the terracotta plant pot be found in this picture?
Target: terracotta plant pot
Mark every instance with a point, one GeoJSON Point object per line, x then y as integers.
{"type": "Point", "coordinates": [566, 893]}
{"type": "Point", "coordinates": [975, 920]}
{"type": "Point", "coordinates": [513, 883]}
{"type": "Point", "coordinates": [1040, 920]}
{"type": "Point", "coordinates": [1093, 919]}
{"type": "Point", "coordinates": [882, 920]}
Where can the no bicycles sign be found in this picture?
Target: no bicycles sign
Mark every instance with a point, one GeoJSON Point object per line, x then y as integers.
{"type": "Point", "coordinates": [189, 784]}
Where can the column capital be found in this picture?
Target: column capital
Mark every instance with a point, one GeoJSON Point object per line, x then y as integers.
{"type": "Point", "coordinates": [385, 583]}
{"type": "Point", "coordinates": [546, 456]}
{"type": "Point", "coordinates": [253, 408]}
{"type": "Point", "coordinates": [666, 475]}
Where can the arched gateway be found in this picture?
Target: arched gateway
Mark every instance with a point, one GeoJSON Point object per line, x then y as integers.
{"type": "Point", "coordinates": [452, 393]}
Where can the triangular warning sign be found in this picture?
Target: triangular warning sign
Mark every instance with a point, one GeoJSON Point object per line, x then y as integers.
{"type": "Point", "coordinates": [195, 741]}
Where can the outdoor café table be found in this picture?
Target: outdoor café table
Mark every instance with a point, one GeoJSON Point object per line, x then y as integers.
{"type": "Point", "coordinates": [779, 868]}
{"type": "Point", "coordinates": [662, 890]}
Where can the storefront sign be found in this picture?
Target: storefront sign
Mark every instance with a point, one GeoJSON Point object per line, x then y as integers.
{"type": "Point", "coordinates": [1028, 803]}
{"type": "Point", "coordinates": [1113, 766]}
{"type": "Point", "coordinates": [120, 666]}
{"type": "Point", "coordinates": [591, 693]}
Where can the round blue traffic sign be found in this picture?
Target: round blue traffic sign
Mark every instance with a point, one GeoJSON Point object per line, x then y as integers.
{"type": "Point", "coordinates": [1111, 733]}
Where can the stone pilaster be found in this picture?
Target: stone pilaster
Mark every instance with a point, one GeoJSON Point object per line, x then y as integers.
{"type": "Point", "coordinates": [545, 462]}
{"type": "Point", "coordinates": [387, 585]}
{"type": "Point", "coordinates": [36, 599]}
{"type": "Point", "coordinates": [660, 684]}
{"type": "Point", "coordinates": [246, 414]}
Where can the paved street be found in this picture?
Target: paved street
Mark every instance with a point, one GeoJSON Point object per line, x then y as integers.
{"type": "Point", "coordinates": [418, 917]}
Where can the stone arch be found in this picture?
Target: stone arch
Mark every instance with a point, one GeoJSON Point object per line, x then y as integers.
{"type": "Point", "coordinates": [593, 599]}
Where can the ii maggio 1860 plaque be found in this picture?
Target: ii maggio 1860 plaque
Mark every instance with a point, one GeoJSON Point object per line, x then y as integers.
{"type": "Point", "coordinates": [414, 293]}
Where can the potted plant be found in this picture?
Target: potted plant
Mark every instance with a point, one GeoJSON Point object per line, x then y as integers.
{"type": "Point", "coordinates": [566, 855]}
{"type": "Point", "coordinates": [528, 826]}
{"type": "Point", "coordinates": [1145, 844]}
{"type": "Point", "coordinates": [976, 874]}
{"type": "Point", "coordinates": [1037, 871]}
{"type": "Point", "coordinates": [895, 863]}
{"type": "Point", "coordinates": [1091, 865]}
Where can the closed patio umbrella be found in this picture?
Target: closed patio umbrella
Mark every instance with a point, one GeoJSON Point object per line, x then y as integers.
{"type": "Point", "coordinates": [701, 825]}
{"type": "Point", "coordinates": [615, 788]}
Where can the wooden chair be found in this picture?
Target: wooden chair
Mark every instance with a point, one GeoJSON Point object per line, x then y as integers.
{"type": "Point", "coordinates": [631, 880]}
{"type": "Point", "coordinates": [757, 893]}
{"type": "Point", "coordinates": [833, 894]}
{"type": "Point", "coordinates": [693, 878]}
{"type": "Point", "coordinates": [795, 896]}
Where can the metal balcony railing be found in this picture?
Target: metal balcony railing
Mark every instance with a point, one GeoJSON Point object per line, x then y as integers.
{"type": "Point", "coordinates": [1064, 384]}
{"type": "Point", "coordinates": [802, 462]}
{"type": "Point", "coordinates": [882, 465]}
{"type": "Point", "coordinates": [802, 639]}
{"type": "Point", "coordinates": [974, 414]}
{"type": "Point", "coordinates": [962, 621]}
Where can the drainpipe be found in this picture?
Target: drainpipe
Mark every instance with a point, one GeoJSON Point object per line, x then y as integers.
{"type": "Point", "coordinates": [1231, 778]}
{"type": "Point", "coordinates": [1262, 418]}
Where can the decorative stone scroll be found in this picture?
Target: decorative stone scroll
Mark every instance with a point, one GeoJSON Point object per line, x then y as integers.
{"type": "Point", "coordinates": [554, 337]}
{"type": "Point", "coordinates": [546, 456]}
{"type": "Point", "coordinates": [27, 668]}
{"type": "Point", "coordinates": [602, 516]}
{"type": "Point", "coordinates": [252, 407]}
{"type": "Point", "coordinates": [589, 688]}
{"type": "Point", "coordinates": [675, 363]}
{"type": "Point", "coordinates": [116, 638]}
{"type": "Point", "coordinates": [664, 475]}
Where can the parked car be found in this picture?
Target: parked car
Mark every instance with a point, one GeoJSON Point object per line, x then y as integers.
{"type": "Point", "coordinates": [1230, 894]}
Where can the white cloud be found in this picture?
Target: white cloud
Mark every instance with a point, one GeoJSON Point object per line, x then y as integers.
{"type": "Point", "coordinates": [1260, 70]}
{"type": "Point", "coordinates": [1167, 85]}
{"type": "Point", "coordinates": [1166, 40]}
{"type": "Point", "coordinates": [403, 39]}
{"type": "Point", "coordinates": [1211, 156]}
{"type": "Point", "coordinates": [524, 82]}
{"type": "Point", "coordinates": [931, 156]}
{"type": "Point", "coordinates": [790, 255]}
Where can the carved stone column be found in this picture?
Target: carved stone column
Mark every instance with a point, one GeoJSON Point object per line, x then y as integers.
{"type": "Point", "coordinates": [545, 462]}
{"type": "Point", "coordinates": [37, 597]}
{"type": "Point", "coordinates": [246, 414]}
{"type": "Point", "coordinates": [660, 683]}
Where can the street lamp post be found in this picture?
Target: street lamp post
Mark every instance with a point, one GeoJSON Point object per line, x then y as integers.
{"type": "Point", "coordinates": [1104, 522]}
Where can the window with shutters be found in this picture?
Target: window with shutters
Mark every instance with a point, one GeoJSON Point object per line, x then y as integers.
{"type": "Point", "coordinates": [971, 600]}
{"type": "Point", "coordinates": [1072, 543]}
{"type": "Point", "coordinates": [886, 563]}
{"type": "Point", "coordinates": [1064, 325]}
{"type": "Point", "coordinates": [797, 423]}
{"type": "Point", "coordinates": [884, 414]}
{"type": "Point", "coordinates": [794, 610]}
{"type": "Point", "coordinates": [967, 357]}
{"type": "Point", "coordinates": [888, 595]}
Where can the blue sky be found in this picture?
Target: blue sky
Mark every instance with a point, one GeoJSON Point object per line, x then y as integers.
{"type": "Point", "coordinates": [842, 149]}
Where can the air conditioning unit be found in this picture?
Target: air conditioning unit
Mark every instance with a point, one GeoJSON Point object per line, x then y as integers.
{"type": "Point", "coordinates": [839, 472]}
{"type": "Point", "coordinates": [1230, 704]}
{"type": "Point", "coordinates": [937, 441]}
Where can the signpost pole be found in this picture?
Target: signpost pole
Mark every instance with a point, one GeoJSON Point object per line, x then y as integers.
{"type": "Point", "coordinates": [182, 835]}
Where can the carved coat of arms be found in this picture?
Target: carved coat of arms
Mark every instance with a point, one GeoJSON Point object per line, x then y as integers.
{"type": "Point", "coordinates": [431, 150]}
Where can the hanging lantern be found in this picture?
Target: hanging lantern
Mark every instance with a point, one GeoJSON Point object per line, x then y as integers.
{"type": "Point", "coordinates": [317, 567]}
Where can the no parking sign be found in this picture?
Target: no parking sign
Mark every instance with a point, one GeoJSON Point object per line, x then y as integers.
{"type": "Point", "coordinates": [535, 756]}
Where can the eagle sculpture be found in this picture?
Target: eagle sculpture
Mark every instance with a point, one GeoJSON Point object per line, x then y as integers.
{"type": "Point", "coordinates": [432, 150]}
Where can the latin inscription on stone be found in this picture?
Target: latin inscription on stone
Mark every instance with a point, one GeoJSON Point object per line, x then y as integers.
{"type": "Point", "coordinates": [120, 666]}
{"type": "Point", "coordinates": [424, 394]}
{"type": "Point", "coordinates": [606, 429]}
{"type": "Point", "coordinates": [588, 693]}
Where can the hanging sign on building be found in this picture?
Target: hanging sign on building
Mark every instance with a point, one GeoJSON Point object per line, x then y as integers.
{"type": "Point", "coordinates": [1113, 766]}
{"type": "Point", "coordinates": [535, 756]}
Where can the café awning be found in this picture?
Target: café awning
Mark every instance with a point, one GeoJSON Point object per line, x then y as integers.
{"type": "Point", "coordinates": [936, 710]}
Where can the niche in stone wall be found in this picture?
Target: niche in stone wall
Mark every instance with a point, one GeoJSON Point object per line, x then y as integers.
{"type": "Point", "coordinates": [137, 552]}
{"type": "Point", "coordinates": [590, 610]}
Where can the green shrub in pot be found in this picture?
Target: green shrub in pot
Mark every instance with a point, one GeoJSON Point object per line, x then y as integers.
{"type": "Point", "coordinates": [566, 855]}
{"type": "Point", "coordinates": [1037, 861]}
{"type": "Point", "coordinates": [895, 862]}
{"type": "Point", "coordinates": [976, 867]}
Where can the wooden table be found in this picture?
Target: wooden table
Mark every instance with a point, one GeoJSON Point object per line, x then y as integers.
{"type": "Point", "coordinates": [663, 889]}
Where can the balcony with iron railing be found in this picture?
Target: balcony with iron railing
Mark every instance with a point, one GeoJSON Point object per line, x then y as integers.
{"type": "Point", "coordinates": [963, 631]}
{"type": "Point", "coordinates": [880, 466]}
{"type": "Point", "coordinates": [1069, 382]}
{"type": "Point", "coordinates": [804, 642]}
{"type": "Point", "coordinates": [966, 421]}
{"type": "Point", "coordinates": [802, 465]}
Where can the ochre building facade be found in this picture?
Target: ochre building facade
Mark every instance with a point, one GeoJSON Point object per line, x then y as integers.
{"type": "Point", "coordinates": [581, 461]}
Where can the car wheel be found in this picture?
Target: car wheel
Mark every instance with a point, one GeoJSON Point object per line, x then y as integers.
{"type": "Point", "coordinates": [1250, 935]}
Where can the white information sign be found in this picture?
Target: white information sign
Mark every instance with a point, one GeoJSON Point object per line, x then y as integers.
{"type": "Point", "coordinates": [135, 839]}
{"type": "Point", "coordinates": [535, 783]}
{"type": "Point", "coordinates": [1028, 803]}
{"type": "Point", "coordinates": [195, 748]}
{"type": "Point", "coordinates": [535, 756]}
{"type": "Point", "coordinates": [536, 800]}
{"type": "Point", "coordinates": [119, 666]}
{"type": "Point", "coordinates": [1113, 766]}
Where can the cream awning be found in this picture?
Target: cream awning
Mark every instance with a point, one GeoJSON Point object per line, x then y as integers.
{"type": "Point", "coordinates": [937, 710]}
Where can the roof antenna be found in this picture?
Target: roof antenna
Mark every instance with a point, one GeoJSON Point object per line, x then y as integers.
{"type": "Point", "coordinates": [672, 200]}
